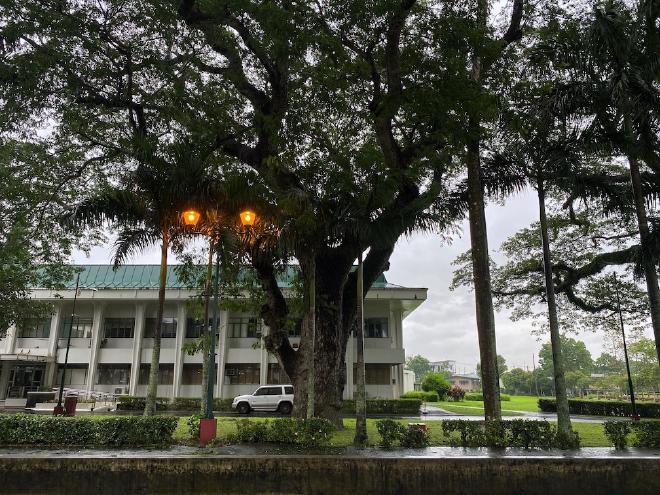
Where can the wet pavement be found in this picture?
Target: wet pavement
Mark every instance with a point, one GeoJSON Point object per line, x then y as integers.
{"type": "Point", "coordinates": [369, 452]}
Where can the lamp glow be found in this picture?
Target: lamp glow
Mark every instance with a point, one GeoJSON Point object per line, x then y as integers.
{"type": "Point", "coordinates": [248, 217]}
{"type": "Point", "coordinates": [190, 217]}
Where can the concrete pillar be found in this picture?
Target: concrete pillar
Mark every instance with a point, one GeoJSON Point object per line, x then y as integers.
{"type": "Point", "coordinates": [178, 348]}
{"type": "Point", "coordinates": [53, 337]}
{"type": "Point", "coordinates": [10, 342]}
{"type": "Point", "coordinates": [349, 366]}
{"type": "Point", "coordinates": [392, 329]}
{"type": "Point", "coordinates": [97, 337]}
{"type": "Point", "coordinates": [136, 359]}
{"type": "Point", "coordinates": [4, 378]}
{"type": "Point", "coordinates": [221, 349]}
{"type": "Point", "coordinates": [263, 361]}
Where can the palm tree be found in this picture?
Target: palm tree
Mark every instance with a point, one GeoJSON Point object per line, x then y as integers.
{"type": "Point", "coordinates": [147, 211]}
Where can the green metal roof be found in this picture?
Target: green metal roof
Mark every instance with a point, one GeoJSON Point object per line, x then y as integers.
{"type": "Point", "coordinates": [146, 277]}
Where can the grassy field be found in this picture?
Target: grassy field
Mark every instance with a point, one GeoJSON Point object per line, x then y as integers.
{"type": "Point", "coordinates": [517, 403]}
{"type": "Point", "coordinates": [592, 434]}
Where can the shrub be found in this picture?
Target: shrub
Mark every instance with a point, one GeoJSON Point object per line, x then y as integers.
{"type": "Point", "coordinates": [194, 425]}
{"type": "Point", "coordinates": [390, 432]}
{"type": "Point", "coordinates": [385, 406]}
{"type": "Point", "coordinates": [617, 433]}
{"type": "Point", "coordinates": [306, 432]}
{"type": "Point", "coordinates": [133, 403]}
{"type": "Point", "coordinates": [647, 434]}
{"type": "Point", "coordinates": [514, 433]}
{"type": "Point", "coordinates": [436, 382]}
{"type": "Point", "coordinates": [479, 396]}
{"type": "Point", "coordinates": [421, 395]}
{"type": "Point", "coordinates": [415, 437]}
{"type": "Point", "coordinates": [603, 407]}
{"type": "Point", "coordinates": [23, 429]}
{"type": "Point", "coordinates": [456, 393]}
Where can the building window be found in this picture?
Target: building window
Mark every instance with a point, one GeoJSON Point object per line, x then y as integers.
{"type": "Point", "coordinates": [167, 329]}
{"type": "Point", "coordinates": [191, 374]}
{"type": "Point", "coordinates": [33, 328]}
{"type": "Point", "coordinates": [82, 328]}
{"type": "Point", "coordinates": [376, 328]}
{"type": "Point", "coordinates": [119, 328]}
{"type": "Point", "coordinates": [242, 374]}
{"type": "Point", "coordinates": [244, 328]}
{"type": "Point", "coordinates": [194, 328]}
{"type": "Point", "coordinates": [76, 374]}
{"type": "Point", "coordinates": [276, 375]}
{"type": "Point", "coordinates": [375, 374]}
{"type": "Point", "coordinates": [165, 374]}
{"type": "Point", "coordinates": [114, 374]}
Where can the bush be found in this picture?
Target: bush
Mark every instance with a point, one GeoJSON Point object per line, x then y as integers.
{"type": "Point", "coordinates": [456, 393]}
{"type": "Point", "coordinates": [478, 396]}
{"type": "Point", "coordinates": [603, 407]}
{"type": "Point", "coordinates": [306, 432]}
{"type": "Point", "coordinates": [194, 425]}
{"type": "Point", "coordinates": [514, 433]}
{"type": "Point", "coordinates": [617, 433]}
{"type": "Point", "coordinates": [647, 434]}
{"type": "Point", "coordinates": [415, 437]}
{"type": "Point", "coordinates": [385, 406]}
{"type": "Point", "coordinates": [390, 432]}
{"type": "Point", "coordinates": [133, 431]}
{"type": "Point", "coordinates": [421, 395]}
{"type": "Point", "coordinates": [436, 382]}
{"type": "Point", "coordinates": [133, 403]}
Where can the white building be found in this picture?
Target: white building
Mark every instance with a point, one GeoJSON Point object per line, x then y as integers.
{"type": "Point", "coordinates": [112, 340]}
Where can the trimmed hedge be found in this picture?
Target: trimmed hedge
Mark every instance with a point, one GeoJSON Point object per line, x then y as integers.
{"type": "Point", "coordinates": [385, 406]}
{"type": "Point", "coordinates": [645, 433]}
{"type": "Point", "coordinates": [603, 407]}
{"type": "Point", "coordinates": [133, 403]}
{"type": "Point", "coordinates": [480, 396]}
{"type": "Point", "coordinates": [52, 431]}
{"type": "Point", "coordinates": [307, 432]}
{"type": "Point", "coordinates": [518, 433]}
{"type": "Point", "coordinates": [421, 395]}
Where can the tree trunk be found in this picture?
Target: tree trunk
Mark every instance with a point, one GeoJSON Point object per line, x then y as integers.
{"type": "Point", "coordinates": [479, 244]}
{"type": "Point", "coordinates": [152, 390]}
{"type": "Point", "coordinates": [650, 271]}
{"type": "Point", "coordinates": [563, 416]}
{"type": "Point", "coordinates": [361, 392]}
{"type": "Point", "coordinates": [206, 334]}
{"type": "Point", "coordinates": [311, 321]}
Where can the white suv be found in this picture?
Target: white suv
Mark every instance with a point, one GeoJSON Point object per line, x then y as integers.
{"type": "Point", "coordinates": [267, 398]}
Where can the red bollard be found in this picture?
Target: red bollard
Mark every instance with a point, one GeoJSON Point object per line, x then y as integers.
{"type": "Point", "coordinates": [207, 430]}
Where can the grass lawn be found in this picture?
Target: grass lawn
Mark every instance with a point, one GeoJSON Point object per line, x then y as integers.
{"type": "Point", "coordinates": [517, 403]}
{"type": "Point", "coordinates": [591, 434]}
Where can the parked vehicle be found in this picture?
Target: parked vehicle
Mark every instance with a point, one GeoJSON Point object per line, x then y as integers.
{"type": "Point", "coordinates": [267, 398]}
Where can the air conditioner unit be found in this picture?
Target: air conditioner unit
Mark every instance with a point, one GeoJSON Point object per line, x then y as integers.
{"type": "Point", "coordinates": [121, 390]}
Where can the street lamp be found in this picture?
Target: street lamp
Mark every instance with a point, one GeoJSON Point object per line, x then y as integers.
{"type": "Point", "coordinates": [190, 217]}
{"type": "Point", "coordinates": [59, 409]}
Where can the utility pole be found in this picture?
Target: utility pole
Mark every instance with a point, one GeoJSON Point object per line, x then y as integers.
{"type": "Point", "coordinates": [634, 416]}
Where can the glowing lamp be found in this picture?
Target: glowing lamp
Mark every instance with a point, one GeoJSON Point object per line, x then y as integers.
{"type": "Point", "coordinates": [248, 217]}
{"type": "Point", "coordinates": [190, 217]}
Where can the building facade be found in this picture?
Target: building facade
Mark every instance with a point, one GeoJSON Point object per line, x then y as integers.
{"type": "Point", "coordinates": [112, 340]}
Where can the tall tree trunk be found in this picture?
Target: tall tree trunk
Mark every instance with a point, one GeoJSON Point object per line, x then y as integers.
{"type": "Point", "coordinates": [361, 389]}
{"type": "Point", "coordinates": [311, 321]}
{"type": "Point", "coordinates": [206, 334]}
{"type": "Point", "coordinates": [650, 271]}
{"type": "Point", "coordinates": [152, 390]}
{"type": "Point", "coordinates": [563, 416]}
{"type": "Point", "coordinates": [479, 244]}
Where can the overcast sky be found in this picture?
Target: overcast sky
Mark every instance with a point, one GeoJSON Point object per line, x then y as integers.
{"type": "Point", "coordinates": [444, 327]}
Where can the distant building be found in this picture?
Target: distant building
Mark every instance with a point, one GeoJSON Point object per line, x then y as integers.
{"type": "Point", "coordinates": [440, 366]}
{"type": "Point", "coordinates": [408, 380]}
{"type": "Point", "coordinates": [469, 382]}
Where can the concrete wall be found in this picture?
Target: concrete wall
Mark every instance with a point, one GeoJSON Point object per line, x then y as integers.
{"type": "Point", "coordinates": [328, 475]}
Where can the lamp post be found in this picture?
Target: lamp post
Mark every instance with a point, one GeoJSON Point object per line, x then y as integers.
{"type": "Point", "coordinates": [208, 424]}
{"type": "Point", "coordinates": [59, 409]}
{"type": "Point", "coordinates": [631, 390]}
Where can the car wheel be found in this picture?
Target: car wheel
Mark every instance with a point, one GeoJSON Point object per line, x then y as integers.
{"type": "Point", "coordinates": [285, 408]}
{"type": "Point", "coordinates": [243, 408]}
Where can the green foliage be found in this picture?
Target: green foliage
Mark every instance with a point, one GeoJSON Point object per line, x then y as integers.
{"type": "Point", "coordinates": [128, 431]}
{"type": "Point", "coordinates": [415, 437]}
{"type": "Point", "coordinates": [421, 395]}
{"type": "Point", "coordinates": [385, 406]}
{"type": "Point", "coordinates": [419, 365]}
{"type": "Point", "coordinates": [134, 403]}
{"type": "Point", "coordinates": [478, 396]}
{"type": "Point", "coordinates": [518, 433]}
{"type": "Point", "coordinates": [617, 433]}
{"type": "Point", "coordinates": [436, 382]}
{"type": "Point", "coordinates": [194, 425]}
{"type": "Point", "coordinates": [603, 407]}
{"type": "Point", "coordinates": [456, 393]}
{"type": "Point", "coordinates": [518, 381]}
{"type": "Point", "coordinates": [390, 432]}
{"type": "Point", "coordinates": [647, 434]}
{"type": "Point", "coordinates": [305, 432]}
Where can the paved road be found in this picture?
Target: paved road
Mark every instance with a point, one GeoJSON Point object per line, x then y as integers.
{"type": "Point", "coordinates": [437, 413]}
